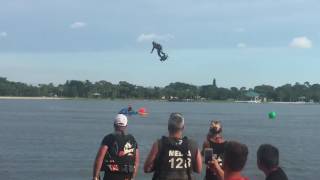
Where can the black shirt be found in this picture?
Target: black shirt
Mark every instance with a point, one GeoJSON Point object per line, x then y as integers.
{"type": "Point", "coordinates": [277, 175]}
{"type": "Point", "coordinates": [108, 140]}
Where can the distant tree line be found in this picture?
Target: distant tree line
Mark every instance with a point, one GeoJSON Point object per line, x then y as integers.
{"type": "Point", "coordinates": [177, 90]}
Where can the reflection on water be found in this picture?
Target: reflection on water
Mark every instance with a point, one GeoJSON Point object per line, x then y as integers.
{"type": "Point", "coordinates": [48, 139]}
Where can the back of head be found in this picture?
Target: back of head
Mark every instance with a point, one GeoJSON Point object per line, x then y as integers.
{"type": "Point", "coordinates": [235, 156]}
{"type": "Point", "coordinates": [120, 122]}
{"type": "Point", "coordinates": [268, 156]}
{"type": "Point", "coordinates": [215, 127]}
{"type": "Point", "coordinates": [175, 123]}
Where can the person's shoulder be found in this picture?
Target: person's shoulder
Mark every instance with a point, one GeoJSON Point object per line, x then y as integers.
{"type": "Point", "coordinates": [158, 140]}
{"type": "Point", "coordinates": [161, 139]}
{"type": "Point", "coordinates": [109, 136]}
{"type": "Point", "coordinates": [281, 171]}
{"type": "Point", "coordinates": [190, 140]}
{"type": "Point", "coordinates": [131, 137]}
{"type": "Point", "coordinates": [192, 143]}
{"type": "Point", "coordinates": [158, 143]}
{"type": "Point", "coordinates": [279, 174]}
{"type": "Point", "coordinates": [107, 140]}
{"type": "Point", "coordinates": [284, 175]}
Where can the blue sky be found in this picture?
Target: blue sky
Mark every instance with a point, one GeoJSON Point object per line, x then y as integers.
{"type": "Point", "coordinates": [239, 42]}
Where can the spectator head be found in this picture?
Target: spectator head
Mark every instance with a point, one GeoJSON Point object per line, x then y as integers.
{"type": "Point", "coordinates": [267, 157]}
{"type": "Point", "coordinates": [120, 122]}
{"type": "Point", "coordinates": [235, 156]}
{"type": "Point", "coordinates": [175, 123]}
{"type": "Point", "coordinates": [215, 127]}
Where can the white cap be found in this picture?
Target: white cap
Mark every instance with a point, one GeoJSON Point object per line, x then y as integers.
{"type": "Point", "coordinates": [121, 120]}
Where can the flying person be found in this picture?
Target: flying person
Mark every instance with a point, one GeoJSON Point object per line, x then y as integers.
{"type": "Point", "coordinates": [158, 47]}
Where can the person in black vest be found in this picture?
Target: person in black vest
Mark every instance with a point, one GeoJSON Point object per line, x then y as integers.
{"type": "Point", "coordinates": [174, 157]}
{"type": "Point", "coordinates": [158, 47]}
{"type": "Point", "coordinates": [216, 144]}
{"type": "Point", "coordinates": [268, 162]}
{"type": "Point", "coordinates": [118, 155]}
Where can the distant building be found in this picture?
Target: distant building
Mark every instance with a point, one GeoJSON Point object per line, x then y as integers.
{"type": "Point", "coordinates": [302, 98]}
{"type": "Point", "coordinates": [96, 95]}
{"type": "Point", "coordinates": [214, 83]}
{"type": "Point", "coordinates": [253, 96]}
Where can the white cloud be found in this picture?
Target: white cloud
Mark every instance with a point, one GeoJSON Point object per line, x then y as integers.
{"type": "Point", "coordinates": [155, 37]}
{"type": "Point", "coordinates": [301, 42]}
{"type": "Point", "coordinates": [77, 25]}
{"type": "Point", "coordinates": [3, 34]}
{"type": "Point", "coordinates": [241, 45]}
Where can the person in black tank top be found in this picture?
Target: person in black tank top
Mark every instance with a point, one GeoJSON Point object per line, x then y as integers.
{"type": "Point", "coordinates": [216, 143]}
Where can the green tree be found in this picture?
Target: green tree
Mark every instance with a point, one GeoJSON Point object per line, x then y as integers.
{"type": "Point", "coordinates": [181, 90]}
{"type": "Point", "coordinates": [266, 91]}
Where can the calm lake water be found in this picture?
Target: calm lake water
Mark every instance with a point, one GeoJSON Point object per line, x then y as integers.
{"type": "Point", "coordinates": [58, 139]}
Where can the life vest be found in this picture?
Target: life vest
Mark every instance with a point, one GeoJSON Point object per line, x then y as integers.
{"type": "Point", "coordinates": [174, 160]}
{"type": "Point", "coordinates": [120, 157]}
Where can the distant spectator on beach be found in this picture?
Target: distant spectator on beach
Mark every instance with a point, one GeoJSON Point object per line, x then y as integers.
{"type": "Point", "coordinates": [268, 162]}
{"type": "Point", "coordinates": [215, 143]}
{"type": "Point", "coordinates": [174, 157]}
{"type": "Point", "coordinates": [234, 160]}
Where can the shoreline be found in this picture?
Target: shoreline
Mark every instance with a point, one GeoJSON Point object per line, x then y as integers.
{"type": "Point", "coordinates": [207, 101]}
{"type": "Point", "coordinates": [62, 98]}
{"type": "Point", "coordinates": [31, 98]}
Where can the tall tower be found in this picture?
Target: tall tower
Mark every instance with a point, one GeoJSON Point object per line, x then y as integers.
{"type": "Point", "coordinates": [214, 84]}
